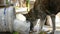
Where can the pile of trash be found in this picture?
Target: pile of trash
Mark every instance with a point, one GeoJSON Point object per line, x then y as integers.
{"type": "Point", "coordinates": [21, 25]}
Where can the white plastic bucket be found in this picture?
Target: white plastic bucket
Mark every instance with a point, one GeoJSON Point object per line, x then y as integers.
{"type": "Point", "coordinates": [6, 18]}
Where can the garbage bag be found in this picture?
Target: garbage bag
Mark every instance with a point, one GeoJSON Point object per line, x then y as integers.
{"type": "Point", "coordinates": [21, 26]}
{"type": "Point", "coordinates": [21, 17]}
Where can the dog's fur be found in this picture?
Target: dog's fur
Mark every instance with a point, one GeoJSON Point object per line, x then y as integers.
{"type": "Point", "coordinates": [42, 8]}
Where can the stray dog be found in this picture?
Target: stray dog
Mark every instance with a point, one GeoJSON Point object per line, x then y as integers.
{"type": "Point", "coordinates": [41, 9]}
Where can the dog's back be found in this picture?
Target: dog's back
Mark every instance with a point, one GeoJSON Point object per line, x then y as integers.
{"type": "Point", "coordinates": [47, 6]}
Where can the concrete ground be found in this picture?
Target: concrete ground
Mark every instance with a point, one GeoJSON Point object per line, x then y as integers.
{"type": "Point", "coordinates": [57, 32]}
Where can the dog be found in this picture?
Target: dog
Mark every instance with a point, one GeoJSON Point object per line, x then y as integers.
{"type": "Point", "coordinates": [41, 9]}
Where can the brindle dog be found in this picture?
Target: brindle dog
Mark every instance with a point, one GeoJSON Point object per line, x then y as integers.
{"type": "Point", "coordinates": [41, 9]}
